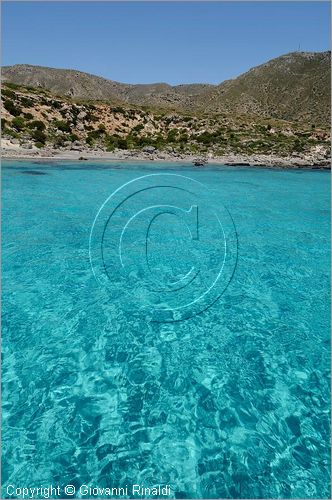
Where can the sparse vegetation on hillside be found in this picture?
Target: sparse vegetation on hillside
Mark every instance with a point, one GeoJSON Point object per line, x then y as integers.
{"type": "Point", "coordinates": [64, 123]}
{"type": "Point", "coordinates": [11, 107]}
{"type": "Point", "coordinates": [292, 87]}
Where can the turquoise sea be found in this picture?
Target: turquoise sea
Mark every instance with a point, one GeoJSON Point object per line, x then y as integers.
{"type": "Point", "coordinates": [108, 381]}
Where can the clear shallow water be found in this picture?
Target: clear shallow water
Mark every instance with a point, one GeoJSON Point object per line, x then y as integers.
{"type": "Point", "coordinates": [232, 403]}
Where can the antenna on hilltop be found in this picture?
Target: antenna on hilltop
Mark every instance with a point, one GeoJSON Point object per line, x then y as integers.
{"type": "Point", "coordinates": [299, 49]}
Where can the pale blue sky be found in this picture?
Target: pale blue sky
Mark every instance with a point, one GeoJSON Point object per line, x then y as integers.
{"type": "Point", "coordinates": [174, 42]}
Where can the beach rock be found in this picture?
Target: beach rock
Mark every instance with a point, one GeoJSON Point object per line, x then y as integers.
{"type": "Point", "coordinates": [199, 162]}
{"type": "Point", "coordinates": [149, 149]}
{"type": "Point", "coordinates": [241, 163]}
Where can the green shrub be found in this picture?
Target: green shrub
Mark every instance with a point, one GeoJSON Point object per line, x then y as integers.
{"type": "Point", "coordinates": [205, 138]}
{"type": "Point", "coordinates": [3, 123]}
{"type": "Point", "coordinates": [122, 143]}
{"type": "Point", "coordinates": [56, 104]}
{"type": "Point", "coordinates": [138, 128]}
{"type": "Point", "coordinates": [62, 125]}
{"type": "Point", "coordinates": [60, 140]}
{"type": "Point", "coordinates": [75, 110]}
{"type": "Point", "coordinates": [130, 142]}
{"type": "Point", "coordinates": [8, 93]}
{"type": "Point", "coordinates": [114, 141]}
{"type": "Point", "coordinates": [28, 116]}
{"type": "Point", "coordinates": [39, 144]}
{"type": "Point", "coordinates": [159, 142]}
{"type": "Point", "coordinates": [73, 137]}
{"type": "Point", "coordinates": [118, 109]}
{"type": "Point", "coordinates": [94, 134]}
{"type": "Point", "coordinates": [12, 108]}
{"type": "Point", "coordinates": [37, 124]}
{"type": "Point", "coordinates": [39, 136]}
{"type": "Point", "coordinates": [172, 135]}
{"type": "Point", "coordinates": [102, 127]}
{"type": "Point", "coordinates": [148, 140]}
{"type": "Point", "coordinates": [18, 123]}
{"type": "Point", "coordinates": [26, 102]}
{"type": "Point", "coordinates": [298, 146]}
{"type": "Point", "coordinates": [12, 85]}
{"type": "Point", "coordinates": [8, 131]}
{"type": "Point", "coordinates": [90, 117]}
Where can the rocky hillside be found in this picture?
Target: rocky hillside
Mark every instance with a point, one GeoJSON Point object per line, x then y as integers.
{"type": "Point", "coordinates": [79, 85]}
{"type": "Point", "coordinates": [293, 87]}
{"type": "Point", "coordinates": [38, 119]}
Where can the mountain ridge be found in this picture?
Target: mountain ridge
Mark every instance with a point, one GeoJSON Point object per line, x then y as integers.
{"type": "Point", "coordinates": [294, 87]}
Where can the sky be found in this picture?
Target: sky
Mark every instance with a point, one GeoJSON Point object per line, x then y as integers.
{"type": "Point", "coordinates": [173, 42]}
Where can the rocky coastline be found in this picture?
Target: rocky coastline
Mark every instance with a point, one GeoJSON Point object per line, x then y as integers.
{"type": "Point", "coordinates": [10, 150]}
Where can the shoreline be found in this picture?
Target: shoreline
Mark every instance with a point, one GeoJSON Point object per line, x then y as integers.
{"type": "Point", "coordinates": [265, 161]}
